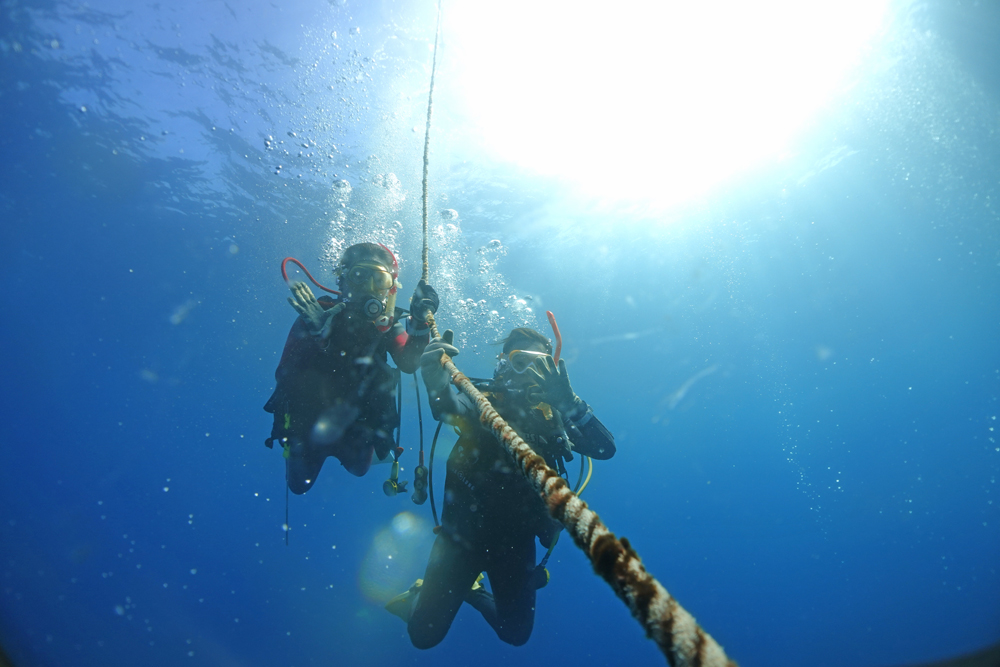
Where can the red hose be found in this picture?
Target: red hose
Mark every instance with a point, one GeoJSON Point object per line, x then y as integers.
{"type": "Point", "coordinates": [284, 274]}
{"type": "Point", "coordinates": [555, 332]}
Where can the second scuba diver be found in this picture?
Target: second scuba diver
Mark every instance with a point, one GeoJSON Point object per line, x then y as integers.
{"type": "Point", "coordinates": [335, 391]}
{"type": "Point", "coordinates": [491, 514]}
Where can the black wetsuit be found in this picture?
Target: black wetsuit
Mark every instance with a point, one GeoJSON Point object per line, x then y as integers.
{"type": "Point", "coordinates": [490, 519]}
{"type": "Point", "coordinates": [337, 398]}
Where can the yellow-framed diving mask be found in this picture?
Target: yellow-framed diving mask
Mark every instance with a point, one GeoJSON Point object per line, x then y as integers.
{"type": "Point", "coordinates": [517, 360]}
{"type": "Point", "coordinates": [370, 278]}
{"type": "Point", "coordinates": [372, 287]}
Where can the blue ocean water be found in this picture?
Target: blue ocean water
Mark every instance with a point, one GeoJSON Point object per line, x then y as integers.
{"type": "Point", "coordinates": [801, 367]}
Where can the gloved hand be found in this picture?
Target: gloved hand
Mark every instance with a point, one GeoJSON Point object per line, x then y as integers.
{"type": "Point", "coordinates": [424, 299]}
{"type": "Point", "coordinates": [553, 385]}
{"type": "Point", "coordinates": [318, 320]}
{"type": "Point", "coordinates": [436, 378]}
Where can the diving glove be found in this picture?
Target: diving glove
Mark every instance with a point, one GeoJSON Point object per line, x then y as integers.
{"type": "Point", "coordinates": [436, 378]}
{"type": "Point", "coordinates": [424, 300]}
{"type": "Point", "coordinates": [317, 319]}
{"type": "Point", "coordinates": [553, 385]}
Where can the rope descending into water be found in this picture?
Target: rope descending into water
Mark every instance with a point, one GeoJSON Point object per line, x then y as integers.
{"type": "Point", "coordinates": [674, 630]}
{"type": "Point", "coordinates": [427, 157]}
{"type": "Point", "coordinates": [427, 141]}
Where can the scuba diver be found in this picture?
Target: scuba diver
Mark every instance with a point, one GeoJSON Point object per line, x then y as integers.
{"type": "Point", "coordinates": [335, 391]}
{"type": "Point", "coordinates": [491, 514]}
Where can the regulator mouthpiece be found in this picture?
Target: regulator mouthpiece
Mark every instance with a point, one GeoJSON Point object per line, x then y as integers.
{"type": "Point", "coordinates": [373, 308]}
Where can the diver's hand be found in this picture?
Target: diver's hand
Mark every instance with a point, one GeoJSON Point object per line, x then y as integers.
{"type": "Point", "coordinates": [436, 378]}
{"type": "Point", "coordinates": [318, 320]}
{"type": "Point", "coordinates": [424, 300]}
{"type": "Point", "coordinates": [553, 384]}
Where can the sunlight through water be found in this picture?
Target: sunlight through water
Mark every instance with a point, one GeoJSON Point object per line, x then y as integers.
{"type": "Point", "coordinates": [396, 557]}
{"type": "Point", "coordinates": [654, 101]}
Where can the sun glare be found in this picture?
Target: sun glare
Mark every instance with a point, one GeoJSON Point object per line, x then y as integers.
{"type": "Point", "coordinates": [653, 101]}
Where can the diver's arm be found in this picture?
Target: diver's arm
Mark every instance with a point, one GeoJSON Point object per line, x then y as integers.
{"type": "Point", "coordinates": [442, 399]}
{"type": "Point", "coordinates": [453, 407]}
{"type": "Point", "coordinates": [585, 431]}
{"type": "Point", "coordinates": [407, 349]}
{"type": "Point", "coordinates": [589, 436]}
{"type": "Point", "coordinates": [407, 344]}
{"type": "Point", "coordinates": [303, 343]}
{"type": "Point", "coordinates": [300, 351]}
{"type": "Point", "coordinates": [317, 316]}
{"type": "Point", "coordinates": [402, 346]}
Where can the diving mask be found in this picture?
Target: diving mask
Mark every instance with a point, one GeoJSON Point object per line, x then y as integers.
{"type": "Point", "coordinates": [373, 287]}
{"type": "Point", "coordinates": [518, 360]}
{"type": "Point", "coordinates": [373, 279]}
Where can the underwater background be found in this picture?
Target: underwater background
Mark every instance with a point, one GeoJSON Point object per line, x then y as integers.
{"type": "Point", "coordinates": [798, 354]}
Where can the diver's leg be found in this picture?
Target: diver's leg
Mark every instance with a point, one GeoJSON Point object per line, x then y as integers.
{"type": "Point", "coordinates": [482, 601]}
{"type": "Point", "coordinates": [451, 570]}
{"type": "Point", "coordinates": [360, 442]}
{"type": "Point", "coordinates": [302, 468]}
{"type": "Point", "coordinates": [510, 571]}
{"type": "Point", "coordinates": [383, 427]}
{"type": "Point", "coordinates": [354, 450]}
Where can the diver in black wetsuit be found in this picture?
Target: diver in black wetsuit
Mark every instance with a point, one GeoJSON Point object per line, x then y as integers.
{"type": "Point", "coordinates": [491, 514]}
{"type": "Point", "coordinates": [335, 389]}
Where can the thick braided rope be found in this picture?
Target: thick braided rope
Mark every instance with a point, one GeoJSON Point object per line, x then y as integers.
{"type": "Point", "coordinates": [674, 630]}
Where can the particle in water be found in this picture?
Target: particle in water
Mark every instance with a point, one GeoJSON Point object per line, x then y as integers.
{"type": "Point", "coordinates": [449, 214]}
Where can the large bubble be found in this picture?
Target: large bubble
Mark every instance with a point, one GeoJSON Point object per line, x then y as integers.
{"type": "Point", "coordinates": [396, 558]}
